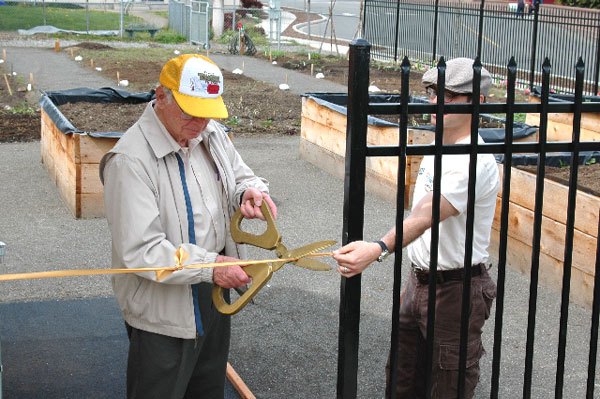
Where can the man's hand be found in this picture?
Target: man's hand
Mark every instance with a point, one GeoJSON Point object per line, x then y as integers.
{"type": "Point", "coordinates": [251, 202]}
{"type": "Point", "coordinates": [355, 257]}
{"type": "Point", "coordinates": [230, 276]}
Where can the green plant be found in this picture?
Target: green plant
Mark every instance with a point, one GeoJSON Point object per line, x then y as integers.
{"type": "Point", "coordinates": [520, 117]}
{"type": "Point", "coordinates": [277, 53]}
{"type": "Point", "coordinates": [22, 109]}
{"type": "Point", "coordinates": [562, 164]}
{"type": "Point", "coordinates": [233, 121]}
{"type": "Point", "coordinates": [267, 123]}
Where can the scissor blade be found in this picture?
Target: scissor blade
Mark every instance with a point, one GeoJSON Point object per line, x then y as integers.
{"type": "Point", "coordinates": [310, 248]}
{"type": "Point", "coordinates": [312, 264]}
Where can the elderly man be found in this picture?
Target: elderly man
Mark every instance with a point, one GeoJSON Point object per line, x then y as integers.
{"type": "Point", "coordinates": [355, 257]}
{"type": "Point", "coordinates": [174, 180]}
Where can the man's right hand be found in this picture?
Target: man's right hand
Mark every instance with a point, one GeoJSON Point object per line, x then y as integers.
{"type": "Point", "coordinates": [231, 276]}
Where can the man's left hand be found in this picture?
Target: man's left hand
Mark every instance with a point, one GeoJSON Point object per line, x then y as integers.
{"type": "Point", "coordinates": [251, 202]}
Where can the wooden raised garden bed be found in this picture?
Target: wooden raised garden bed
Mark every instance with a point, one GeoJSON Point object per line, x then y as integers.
{"type": "Point", "coordinates": [323, 143]}
{"type": "Point", "coordinates": [72, 162]}
{"type": "Point", "coordinates": [72, 156]}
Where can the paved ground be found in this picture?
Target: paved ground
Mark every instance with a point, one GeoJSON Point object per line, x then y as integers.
{"type": "Point", "coordinates": [285, 345]}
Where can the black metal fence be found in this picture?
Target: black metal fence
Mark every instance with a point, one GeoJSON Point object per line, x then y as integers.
{"type": "Point", "coordinates": [360, 105]}
{"type": "Point", "coordinates": [427, 30]}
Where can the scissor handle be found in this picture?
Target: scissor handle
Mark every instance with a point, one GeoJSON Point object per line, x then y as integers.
{"type": "Point", "coordinates": [260, 273]}
{"type": "Point", "coordinates": [267, 240]}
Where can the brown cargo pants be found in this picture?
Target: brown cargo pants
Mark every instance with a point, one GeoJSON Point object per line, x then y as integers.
{"type": "Point", "coordinates": [412, 337]}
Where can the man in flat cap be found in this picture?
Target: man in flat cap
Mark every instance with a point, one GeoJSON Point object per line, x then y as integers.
{"type": "Point", "coordinates": [356, 256]}
{"type": "Point", "coordinates": [173, 181]}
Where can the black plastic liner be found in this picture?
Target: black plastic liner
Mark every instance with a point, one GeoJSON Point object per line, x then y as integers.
{"type": "Point", "coordinates": [51, 100]}
{"type": "Point", "coordinates": [560, 159]}
{"type": "Point", "coordinates": [339, 102]}
{"type": "Point", "coordinates": [558, 98]}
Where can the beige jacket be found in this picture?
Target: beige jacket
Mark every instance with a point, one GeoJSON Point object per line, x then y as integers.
{"type": "Point", "coordinates": [146, 213]}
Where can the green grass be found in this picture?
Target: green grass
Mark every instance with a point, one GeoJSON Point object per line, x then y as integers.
{"type": "Point", "coordinates": [63, 16]}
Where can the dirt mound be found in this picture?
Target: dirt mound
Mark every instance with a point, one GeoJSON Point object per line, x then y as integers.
{"type": "Point", "coordinates": [90, 46]}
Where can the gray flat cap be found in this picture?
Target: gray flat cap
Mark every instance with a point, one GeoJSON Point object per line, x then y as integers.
{"type": "Point", "coordinates": [459, 77]}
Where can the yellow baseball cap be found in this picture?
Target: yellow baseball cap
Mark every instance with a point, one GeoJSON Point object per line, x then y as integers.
{"type": "Point", "coordinates": [197, 84]}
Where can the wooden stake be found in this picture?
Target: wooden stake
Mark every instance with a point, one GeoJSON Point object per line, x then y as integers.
{"type": "Point", "coordinates": [286, 77]}
{"type": "Point", "coordinates": [7, 84]}
{"type": "Point", "coordinates": [92, 62]}
{"type": "Point", "coordinates": [56, 45]}
{"type": "Point", "coordinates": [71, 53]}
{"type": "Point", "coordinates": [270, 56]}
{"type": "Point", "coordinates": [118, 78]}
{"type": "Point", "coordinates": [4, 54]}
{"type": "Point", "coordinates": [239, 384]}
{"type": "Point", "coordinates": [31, 78]}
{"type": "Point", "coordinates": [311, 69]}
{"type": "Point", "coordinates": [243, 65]}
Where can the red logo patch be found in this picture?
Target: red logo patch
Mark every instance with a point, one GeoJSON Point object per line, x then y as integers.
{"type": "Point", "coordinates": [212, 88]}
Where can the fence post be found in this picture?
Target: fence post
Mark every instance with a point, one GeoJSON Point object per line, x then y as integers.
{"type": "Point", "coordinates": [597, 63]}
{"type": "Point", "coordinates": [354, 201]}
{"type": "Point", "coordinates": [435, 31]}
{"type": "Point", "coordinates": [534, 44]}
{"type": "Point", "coordinates": [397, 32]}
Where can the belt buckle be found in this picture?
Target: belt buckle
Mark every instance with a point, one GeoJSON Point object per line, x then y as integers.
{"type": "Point", "coordinates": [421, 274]}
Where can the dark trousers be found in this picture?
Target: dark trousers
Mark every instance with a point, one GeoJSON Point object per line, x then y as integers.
{"type": "Point", "coordinates": [412, 335]}
{"type": "Point", "coordinates": [163, 367]}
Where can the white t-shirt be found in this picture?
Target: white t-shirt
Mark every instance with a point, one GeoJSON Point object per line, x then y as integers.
{"type": "Point", "coordinates": [452, 231]}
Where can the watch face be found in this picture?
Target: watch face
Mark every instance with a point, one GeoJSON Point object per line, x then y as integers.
{"type": "Point", "coordinates": [384, 254]}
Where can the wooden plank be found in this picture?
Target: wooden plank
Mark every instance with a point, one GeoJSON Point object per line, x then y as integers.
{"type": "Point", "coordinates": [90, 179]}
{"type": "Point", "coordinates": [518, 258]}
{"type": "Point", "coordinates": [239, 384]}
{"type": "Point", "coordinates": [552, 243]}
{"type": "Point", "coordinates": [92, 149]}
{"type": "Point", "coordinates": [91, 205]}
{"type": "Point", "coordinates": [522, 186]}
{"type": "Point", "coordinates": [325, 116]}
{"type": "Point", "coordinates": [558, 131]}
{"type": "Point", "coordinates": [589, 120]}
{"type": "Point", "coordinates": [59, 155]}
{"type": "Point", "coordinates": [334, 164]}
{"type": "Point", "coordinates": [324, 136]}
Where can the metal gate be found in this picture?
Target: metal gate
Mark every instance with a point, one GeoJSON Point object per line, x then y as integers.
{"type": "Point", "coordinates": [191, 20]}
{"type": "Point", "coordinates": [360, 105]}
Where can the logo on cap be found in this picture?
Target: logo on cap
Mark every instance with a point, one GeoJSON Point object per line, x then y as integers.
{"type": "Point", "coordinates": [205, 82]}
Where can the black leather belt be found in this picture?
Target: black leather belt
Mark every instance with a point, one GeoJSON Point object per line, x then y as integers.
{"type": "Point", "coordinates": [445, 275]}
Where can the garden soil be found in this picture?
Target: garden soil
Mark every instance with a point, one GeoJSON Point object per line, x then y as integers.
{"type": "Point", "coordinates": [255, 106]}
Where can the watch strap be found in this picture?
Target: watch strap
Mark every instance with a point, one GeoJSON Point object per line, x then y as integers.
{"type": "Point", "coordinates": [385, 252]}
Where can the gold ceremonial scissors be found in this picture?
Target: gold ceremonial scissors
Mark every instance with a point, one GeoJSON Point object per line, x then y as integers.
{"type": "Point", "coordinates": [261, 273]}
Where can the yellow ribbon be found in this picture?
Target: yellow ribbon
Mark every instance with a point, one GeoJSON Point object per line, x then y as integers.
{"type": "Point", "coordinates": [161, 272]}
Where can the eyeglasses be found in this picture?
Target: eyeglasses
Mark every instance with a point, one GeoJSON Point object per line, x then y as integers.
{"type": "Point", "coordinates": [448, 95]}
{"type": "Point", "coordinates": [185, 116]}
{"type": "Point", "coordinates": [182, 114]}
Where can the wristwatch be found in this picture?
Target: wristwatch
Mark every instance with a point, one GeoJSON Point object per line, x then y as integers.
{"type": "Point", "coordinates": [385, 252]}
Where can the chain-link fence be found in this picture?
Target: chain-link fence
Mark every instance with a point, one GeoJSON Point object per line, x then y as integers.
{"type": "Point", "coordinates": [92, 17]}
